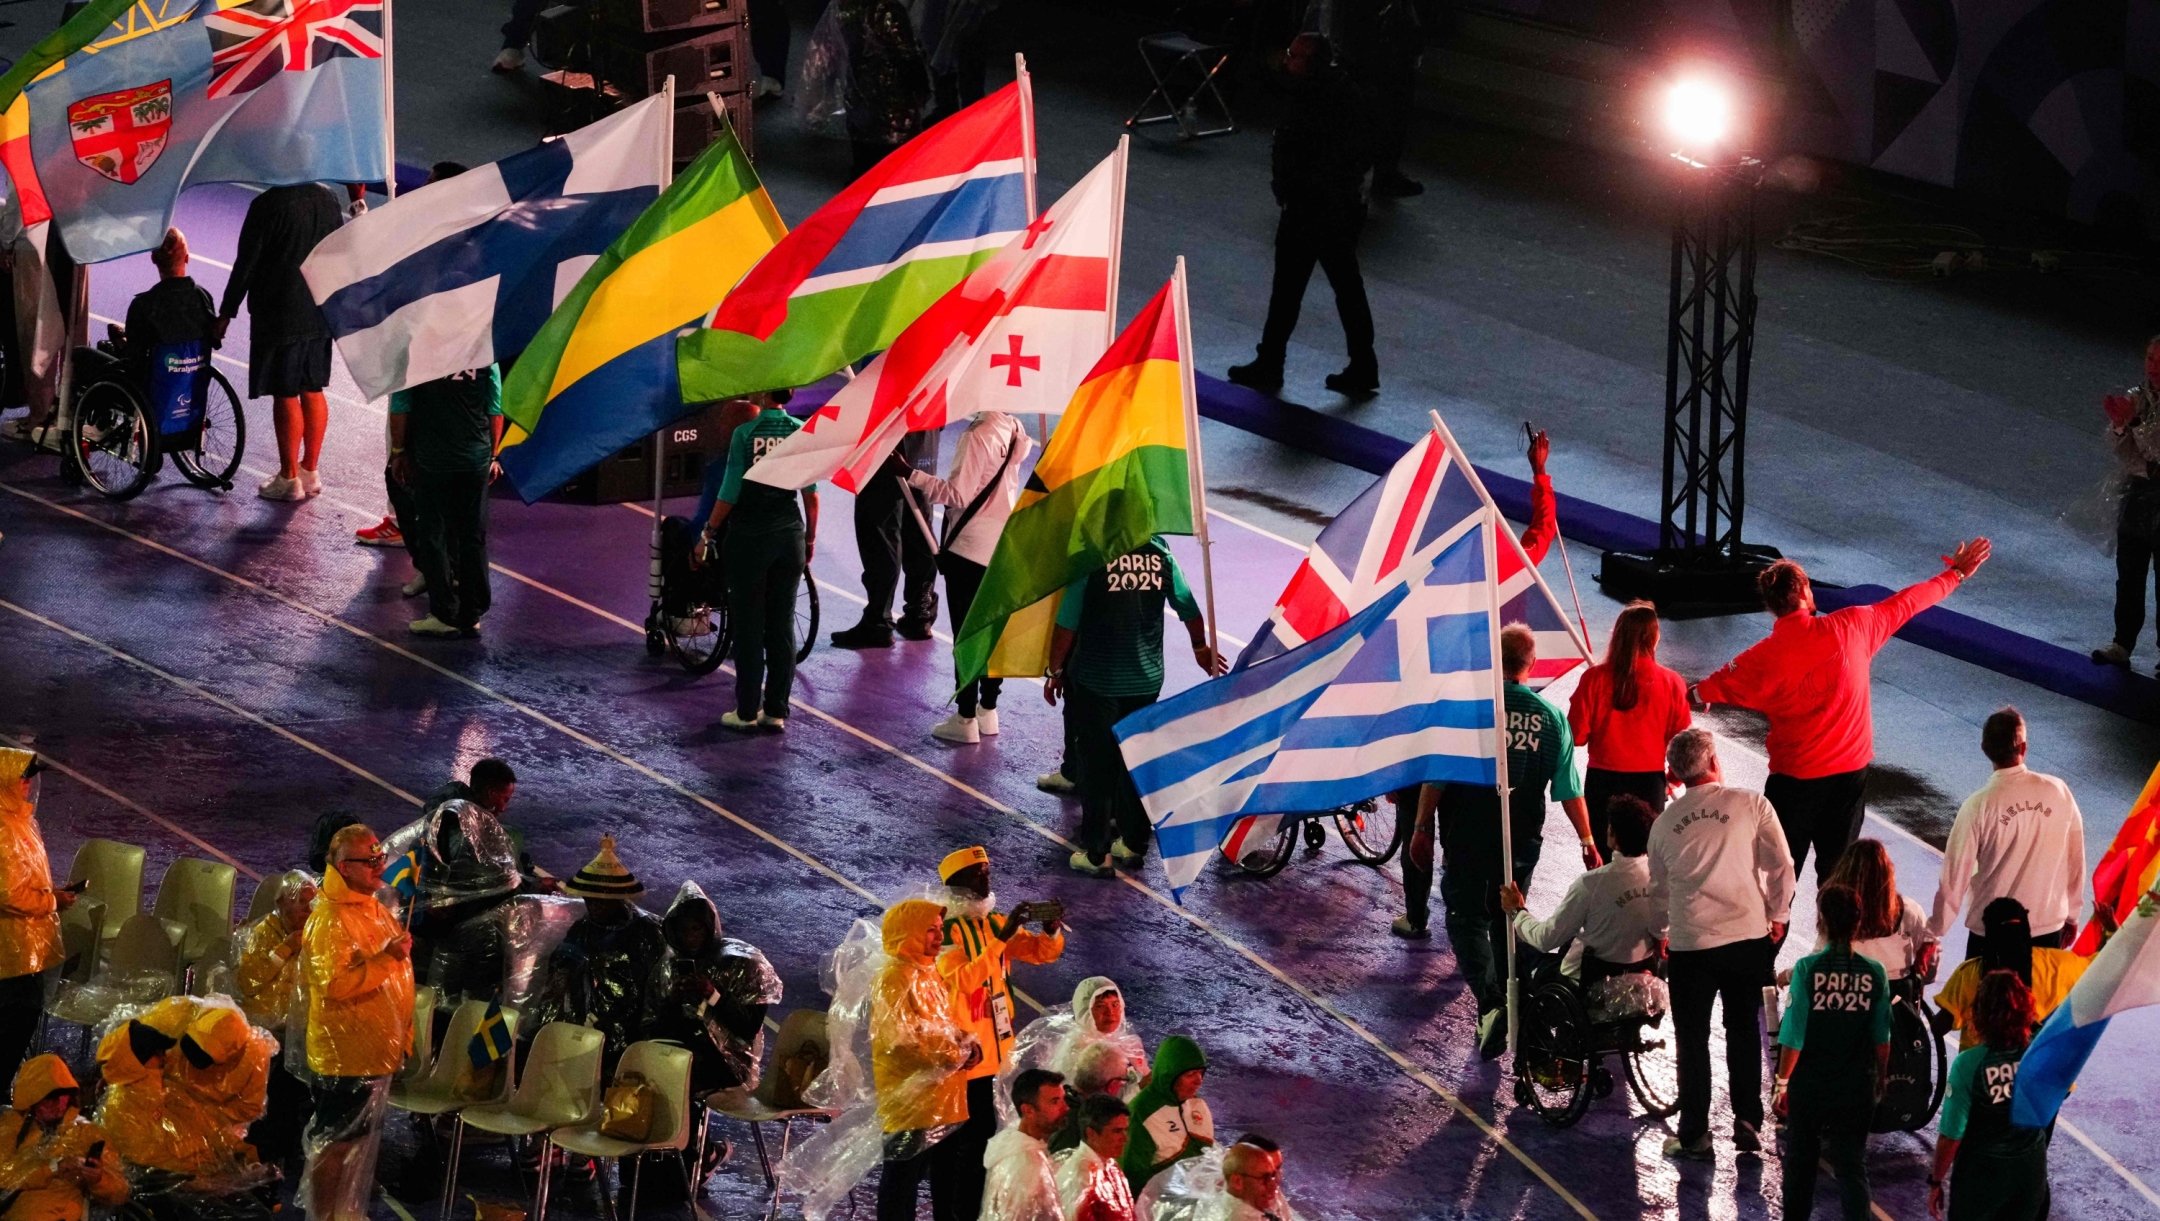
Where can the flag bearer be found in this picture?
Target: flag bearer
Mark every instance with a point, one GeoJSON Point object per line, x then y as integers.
{"type": "Point", "coordinates": [768, 545]}
{"type": "Point", "coordinates": [1833, 1060]}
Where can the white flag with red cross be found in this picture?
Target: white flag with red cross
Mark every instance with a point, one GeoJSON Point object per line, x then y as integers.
{"type": "Point", "coordinates": [1017, 335]}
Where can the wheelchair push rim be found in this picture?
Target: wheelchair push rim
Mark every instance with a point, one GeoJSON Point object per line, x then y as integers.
{"type": "Point", "coordinates": [806, 615]}
{"type": "Point", "coordinates": [1554, 1060]}
{"type": "Point", "coordinates": [1357, 823]}
{"type": "Point", "coordinates": [111, 442]}
{"type": "Point", "coordinates": [220, 442]}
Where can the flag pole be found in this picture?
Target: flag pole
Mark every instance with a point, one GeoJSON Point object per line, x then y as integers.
{"type": "Point", "coordinates": [1117, 234]}
{"type": "Point", "coordinates": [659, 440]}
{"type": "Point", "coordinates": [1491, 532]}
{"type": "Point", "coordinates": [1195, 469]}
{"type": "Point", "coordinates": [389, 105]}
{"type": "Point", "coordinates": [1027, 175]}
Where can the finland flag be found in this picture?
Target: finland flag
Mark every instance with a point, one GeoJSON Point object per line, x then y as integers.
{"type": "Point", "coordinates": [461, 273]}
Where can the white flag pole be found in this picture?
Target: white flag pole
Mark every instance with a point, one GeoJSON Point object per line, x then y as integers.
{"type": "Point", "coordinates": [389, 105]}
{"type": "Point", "coordinates": [1490, 530]}
{"type": "Point", "coordinates": [1027, 171]}
{"type": "Point", "coordinates": [659, 441]}
{"type": "Point", "coordinates": [1117, 235]}
{"type": "Point", "coordinates": [1195, 469]}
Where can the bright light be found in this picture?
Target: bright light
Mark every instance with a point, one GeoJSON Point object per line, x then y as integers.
{"type": "Point", "coordinates": [1698, 113]}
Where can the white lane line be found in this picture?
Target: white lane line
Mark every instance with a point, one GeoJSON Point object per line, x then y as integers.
{"type": "Point", "coordinates": [56, 765]}
{"type": "Point", "coordinates": [1402, 1062]}
{"type": "Point", "coordinates": [1298, 547]}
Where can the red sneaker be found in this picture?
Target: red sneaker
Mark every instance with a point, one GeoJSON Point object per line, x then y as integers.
{"type": "Point", "coordinates": [382, 534]}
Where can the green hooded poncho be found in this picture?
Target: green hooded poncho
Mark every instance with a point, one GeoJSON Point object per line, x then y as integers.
{"type": "Point", "coordinates": [1163, 1131]}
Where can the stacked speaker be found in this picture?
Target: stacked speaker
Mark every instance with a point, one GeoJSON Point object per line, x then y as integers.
{"type": "Point", "coordinates": [703, 44]}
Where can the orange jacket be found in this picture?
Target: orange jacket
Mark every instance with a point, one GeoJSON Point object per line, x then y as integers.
{"type": "Point", "coordinates": [916, 1044]}
{"type": "Point", "coordinates": [977, 968]}
{"type": "Point", "coordinates": [360, 998]}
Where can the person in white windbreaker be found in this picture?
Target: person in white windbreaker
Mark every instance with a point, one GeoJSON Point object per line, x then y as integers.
{"type": "Point", "coordinates": [2019, 837]}
{"type": "Point", "coordinates": [978, 493]}
{"type": "Point", "coordinates": [1720, 865]}
{"type": "Point", "coordinates": [1611, 909]}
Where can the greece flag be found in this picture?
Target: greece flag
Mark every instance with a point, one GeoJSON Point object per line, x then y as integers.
{"type": "Point", "coordinates": [461, 273]}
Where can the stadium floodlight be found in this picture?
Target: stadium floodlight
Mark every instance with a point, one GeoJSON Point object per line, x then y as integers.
{"type": "Point", "coordinates": [1699, 114]}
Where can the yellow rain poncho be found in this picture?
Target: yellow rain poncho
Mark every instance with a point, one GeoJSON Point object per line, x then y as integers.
{"type": "Point", "coordinates": [360, 997]}
{"type": "Point", "coordinates": [268, 974]}
{"type": "Point", "coordinates": [917, 1046]}
{"type": "Point", "coordinates": [29, 918]}
{"type": "Point", "coordinates": [232, 1091]}
{"type": "Point", "coordinates": [150, 1122]}
{"type": "Point", "coordinates": [29, 1152]}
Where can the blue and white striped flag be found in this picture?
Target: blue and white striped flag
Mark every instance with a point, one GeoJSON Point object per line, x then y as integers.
{"type": "Point", "coordinates": [1401, 693]}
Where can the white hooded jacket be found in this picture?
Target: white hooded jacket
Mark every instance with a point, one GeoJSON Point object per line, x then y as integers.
{"type": "Point", "coordinates": [1020, 1182]}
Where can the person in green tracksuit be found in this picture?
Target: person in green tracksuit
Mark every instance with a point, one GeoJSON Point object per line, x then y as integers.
{"type": "Point", "coordinates": [1833, 1060]}
{"type": "Point", "coordinates": [768, 545]}
{"type": "Point", "coordinates": [1170, 1121]}
{"type": "Point", "coordinates": [1996, 1170]}
{"type": "Point", "coordinates": [1106, 659]}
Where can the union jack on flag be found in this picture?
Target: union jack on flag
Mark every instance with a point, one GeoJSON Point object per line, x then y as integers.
{"type": "Point", "coordinates": [253, 40]}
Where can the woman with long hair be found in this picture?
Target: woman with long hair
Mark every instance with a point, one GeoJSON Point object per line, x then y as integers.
{"type": "Point", "coordinates": [1995, 1170]}
{"type": "Point", "coordinates": [1893, 929]}
{"type": "Point", "coordinates": [1625, 710]}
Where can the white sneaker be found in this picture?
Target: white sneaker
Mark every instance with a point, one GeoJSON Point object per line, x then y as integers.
{"type": "Point", "coordinates": [431, 626]}
{"type": "Point", "coordinates": [508, 60]}
{"type": "Point", "coordinates": [281, 488]}
{"type": "Point", "coordinates": [744, 724]}
{"type": "Point", "coordinates": [1056, 782]}
{"type": "Point", "coordinates": [986, 722]}
{"type": "Point", "coordinates": [771, 724]}
{"type": "Point", "coordinates": [310, 482]}
{"type": "Point", "coordinates": [415, 587]}
{"type": "Point", "coordinates": [957, 728]}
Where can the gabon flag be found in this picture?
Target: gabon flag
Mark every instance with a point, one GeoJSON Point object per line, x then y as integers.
{"type": "Point", "coordinates": [1114, 475]}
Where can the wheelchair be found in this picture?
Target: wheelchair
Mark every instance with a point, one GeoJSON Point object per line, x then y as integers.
{"type": "Point", "coordinates": [124, 426]}
{"type": "Point", "coordinates": [1358, 824]}
{"type": "Point", "coordinates": [689, 621]}
{"type": "Point", "coordinates": [1919, 1063]}
{"type": "Point", "coordinates": [1561, 1049]}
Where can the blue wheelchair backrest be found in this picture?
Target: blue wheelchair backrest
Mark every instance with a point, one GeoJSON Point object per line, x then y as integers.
{"type": "Point", "coordinates": [179, 374]}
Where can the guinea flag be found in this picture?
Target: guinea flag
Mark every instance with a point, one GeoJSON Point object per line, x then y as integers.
{"type": "Point", "coordinates": [1114, 474]}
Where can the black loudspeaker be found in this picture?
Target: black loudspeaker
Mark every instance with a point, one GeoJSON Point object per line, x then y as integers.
{"type": "Point", "coordinates": [714, 62]}
{"type": "Point", "coordinates": [667, 16]}
{"type": "Point", "coordinates": [697, 125]}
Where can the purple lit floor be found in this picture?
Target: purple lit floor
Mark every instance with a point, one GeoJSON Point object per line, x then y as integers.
{"type": "Point", "coordinates": [213, 673]}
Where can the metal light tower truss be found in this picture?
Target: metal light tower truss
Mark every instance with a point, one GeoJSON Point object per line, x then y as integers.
{"type": "Point", "coordinates": [1710, 340]}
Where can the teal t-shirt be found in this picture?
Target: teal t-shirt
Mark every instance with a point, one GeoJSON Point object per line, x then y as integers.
{"type": "Point", "coordinates": [1540, 753]}
{"type": "Point", "coordinates": [1838, 1015]}
{"type": "Point", "coordinates": [1976, 1106]}
{"type": "Point", "coordinates": [759, 508]}
{"type": "Point", "coordinates": [449, 422]}
{"type": "Point", "coordinates": [1117, 613]}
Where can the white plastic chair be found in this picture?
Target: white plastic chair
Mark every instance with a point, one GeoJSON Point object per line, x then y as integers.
{"type": "Point", "coordinates": [197, 896]}
{"type": "Point", "coordinates": [665, 1067]}
{"type": "Point", "coordinates": [114, 871]}
{"type": "Point", "coordinates": [558, 1087]}
{"type": "Point", "coordinates": [804, 1026]}
{"type": "Point", "coordinates": [434, 1089]}
{"type": "Point", "coordinates": [420, 1057]}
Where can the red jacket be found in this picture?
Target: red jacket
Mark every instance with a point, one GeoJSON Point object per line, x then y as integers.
{"type": "Point", "coordinates": [1633, 740]}
{"type": "Point", "coordinates": [1810, 677]}
{"type": "Point", "coordinates": [1544, 527]}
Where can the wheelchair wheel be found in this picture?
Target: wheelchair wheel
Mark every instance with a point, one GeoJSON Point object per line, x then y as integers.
{"type": "Point", "coordinates": [223, 439]}
{"type": "Point", "coordinates": [1358, 825]}
{"type": "Point", "coordinates": [112, 443]}
{"type": "Point", "coordinates": [656, 641]}
{"type": "Point", "coordinates": [1315, 835]}
{"type": "Point", "coordinates": [1653, 1075]}
{"type": "Point", "coordinates": [1268, 859]}
{"type": "Point", "coordinates": [700, 640]}
{"type": "Point", "coordinates": [1553, 1062]}
{"type": "Point", "coordinates": [806, 615]}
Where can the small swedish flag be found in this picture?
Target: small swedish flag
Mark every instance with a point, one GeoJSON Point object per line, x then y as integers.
{"type": "Point", "coordinates": [491, 1042]}
{"type": "Point", "coordinates": [403, 875]}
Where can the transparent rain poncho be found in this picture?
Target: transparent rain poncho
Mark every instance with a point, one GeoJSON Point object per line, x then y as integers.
{"type": "Point", "coordinates": [266, 977]}
{"type": "Point", "coordinates": [1060, 1040]}
{"type": "Point", "coordinates": [468, 868]}
{"type": "Point", "coordinates": [1194, 1190]}
{"type": "Point", "coordinates": [894, 1076]}
{"type": "Point", "coordinates": [1020, 1180]}
{"type": "Point", "coordinates": [184, 1078]}
{"type": "Point", "coordinates": [821, 79]}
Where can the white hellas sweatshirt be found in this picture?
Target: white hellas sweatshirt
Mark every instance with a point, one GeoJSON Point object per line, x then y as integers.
{"type": "Point", "coordinates": [1719, 865]}
{"type": "Point", "coordinates": [2020, 836]}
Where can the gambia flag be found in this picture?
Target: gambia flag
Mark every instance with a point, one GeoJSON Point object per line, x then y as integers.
{"type": "Point", "coordinates": [601, 372]}
{"type": "Point", "coordinates": [1114, 474]}
{"type": "Point", "coordinates": [859, 270]}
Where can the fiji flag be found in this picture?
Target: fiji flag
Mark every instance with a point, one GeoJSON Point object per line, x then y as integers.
{"type": "Point", "coordinates": [460, 274]}
{"type": "Point", "coordinates": [491, 1042]}
{"type": "Point", "coordinates": [125, 123]}
{"type": "Point", "coordinates": [2125, 975]}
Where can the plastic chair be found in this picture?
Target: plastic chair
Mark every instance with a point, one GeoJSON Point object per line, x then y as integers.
{"type": "Point", "coordinates": [114, 871]}
{"type": "Point", "coordinates": [435, 1090]}
{"type": "Point", "coordinates": [82, 930]}
{"type": "Point", "coordinates": [1183, 69]}
{"type": "Point", "coordinates": [197, 895]}
{"type": "Point", "coordinates": [263, 900]}
{"type": "Point", "coordinates": [666, 1067]}
{"type": "Point", "coordinates": [802, 1027]}
{"type": "Point", "coordinates": [421, 1055]}
{"type": "Point", "coordinates": [557, 1088]}
{"type": "Point", "coordinates": [142, 949]}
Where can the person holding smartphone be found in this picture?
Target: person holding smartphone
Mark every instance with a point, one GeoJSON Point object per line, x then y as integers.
{"type": "Point", "coordinates": [52, 1160]}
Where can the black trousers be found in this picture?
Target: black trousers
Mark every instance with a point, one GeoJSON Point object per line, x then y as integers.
{"type": "Point", "coordinates": [892, 544]}
{"type": "Point", "coordinates": [453, 554]}
{"type": "Point", "coordinates": [1326, 234]}
{"type": "Point", "coordinates": [963, 579]}
{"type": "Point", "coordinates": [764, 569]}
{"type": "Point", "coordinates": [1832, 1128]}
{"type": "Point", "coordinates": [403, 511]}
{"type": "Point", "coordinates": [1735, 974]}
{"type": "Point", "coordinates": [288, 1106]}
{"type": "Point", "coordinates": [517, 31]}
{"type": "Point", "coordinates": [22, 1003]}
{"type": "Point", "coordinates": [1390, 94]}
{"type": "Point", "coordinates": [769, 37]}
{"type": "Point", "coordinates": [1823, 814]}
{"type": "Point", "coordinates": [1989, 1187]}
{"type": "Point", "coordinates": [1601, 786]}
{"type": "Point", "coordinates": [2133, 559]}
{"type": "Point", "coordinates": [956, 1171]}
{"type": "Point", "coordinates": [1109, 802]}
{"type": "Point", "coordinates": [1477, 929]}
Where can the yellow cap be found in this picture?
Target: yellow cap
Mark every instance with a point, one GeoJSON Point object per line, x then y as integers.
{"type": "Point", "coordinates": [961, 860]}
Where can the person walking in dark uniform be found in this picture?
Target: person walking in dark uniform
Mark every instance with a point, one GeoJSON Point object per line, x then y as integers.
{"type": "Point", "coordinates": [2133, 419]}
{"type": "Point", "coordinates": [1382, 41]}
{"type": "Point", "coordinates": [1833, 1060]}
{"type": "Point", "coordinates": [288, 339]}
{"type": "Point", "coordinates": [891, 541]}
{"type": "Point", "coordinates": [767, 547]}
{"type": "Point", "coordinates": [443, 436]}
{"type": "Point", "coordinates": [1319, 162]}
{"type": "Point", "coordinates": [1995, 1170]}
